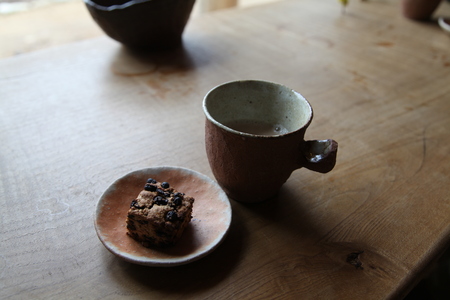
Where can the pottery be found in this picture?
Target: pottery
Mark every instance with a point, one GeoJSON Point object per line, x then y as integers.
{"type": "Point", "coordinates": [445, 24]}
{"type": "Point", "coordinates": [142, 24]}
{"type": "Point", "coordinates": [206, 231]}
{"type": "Point", "coordinates": [419, 9]}
{"type": "Point", "coordinates": [251, 166]}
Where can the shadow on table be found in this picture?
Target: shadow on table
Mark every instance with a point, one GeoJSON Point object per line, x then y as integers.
{"type": "Point", "coordinates": [435, 286]}
{"type": "Point", "coordinates": [192, 278]}
{"type": "Point", "coordinates": [287, 211]}
{"type": "Point", "coordinates": [128, 62]}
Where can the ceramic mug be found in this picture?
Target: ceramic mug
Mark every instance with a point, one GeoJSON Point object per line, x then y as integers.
{"type": "Point", "coordinates": [419, 9]}
{"type": "Point", "coordinates": [254, 136]}
{"type": "Point", "coordinates": [142, 24]}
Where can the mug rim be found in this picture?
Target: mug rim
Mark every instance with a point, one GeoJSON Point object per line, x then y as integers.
{"type": "Point", "coordinates": [115, 6]}
{"type": "Point", "coordinates": [245, 134]}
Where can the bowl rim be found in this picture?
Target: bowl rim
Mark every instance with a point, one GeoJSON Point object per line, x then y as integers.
{"type": "Point", "coordinates": [115, 6]}
{"type": "Point", "coordinates": [444, 24]}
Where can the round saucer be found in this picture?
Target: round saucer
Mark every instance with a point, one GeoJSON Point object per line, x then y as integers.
{"type": "Point", "coordinates": [211, 217]}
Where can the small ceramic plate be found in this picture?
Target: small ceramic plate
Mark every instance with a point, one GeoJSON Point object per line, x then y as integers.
{"type": "Point", "coordinates": [211, 217]}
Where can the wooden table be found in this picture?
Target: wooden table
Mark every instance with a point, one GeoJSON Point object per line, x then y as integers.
{"type": "Point", "coordinates": [75, 118]}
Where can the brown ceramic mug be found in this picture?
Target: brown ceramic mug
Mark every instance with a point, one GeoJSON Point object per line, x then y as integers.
{"type": "Point", "coordinates": [254, 138]}
{"type": "Point", "coordinates": [419, 9]}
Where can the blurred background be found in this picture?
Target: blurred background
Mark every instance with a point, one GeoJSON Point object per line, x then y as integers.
{"type": "Point", "coordinates": [24, 29]}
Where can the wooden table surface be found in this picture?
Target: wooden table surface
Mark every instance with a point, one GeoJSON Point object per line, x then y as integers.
{"type": "Point", "coordinates": [75, 118]}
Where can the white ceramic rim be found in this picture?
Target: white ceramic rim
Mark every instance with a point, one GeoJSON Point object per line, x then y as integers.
{"type": "Point", "coordinates": [167, 262]}
{"type": "Point", "coordinates": [115, 6]}
{"type": "Point", "coordinates": [214, 121]}
{"type": "Point", "coordinates": [444, 25]}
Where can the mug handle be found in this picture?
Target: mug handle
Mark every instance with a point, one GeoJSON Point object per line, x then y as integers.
{"type": "Point", "coordinates": [320, 155]}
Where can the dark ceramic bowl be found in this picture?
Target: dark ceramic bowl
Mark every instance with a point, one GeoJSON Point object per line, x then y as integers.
{"type": "Point", "coordinates": [142, 24]}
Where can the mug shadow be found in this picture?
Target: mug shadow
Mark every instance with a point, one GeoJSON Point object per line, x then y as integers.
{"type": "Point", "coordinates": [286, 210]}
{"type": "Point", "coordinates": [296, 220]}
{"type": "Point", "coordinates": [186, 279]}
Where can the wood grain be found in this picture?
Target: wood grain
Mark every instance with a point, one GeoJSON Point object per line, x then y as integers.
{"type": "Point", "coordinates": [77, 117]}
{"type": "Point", "coordinates": [44, 27]}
